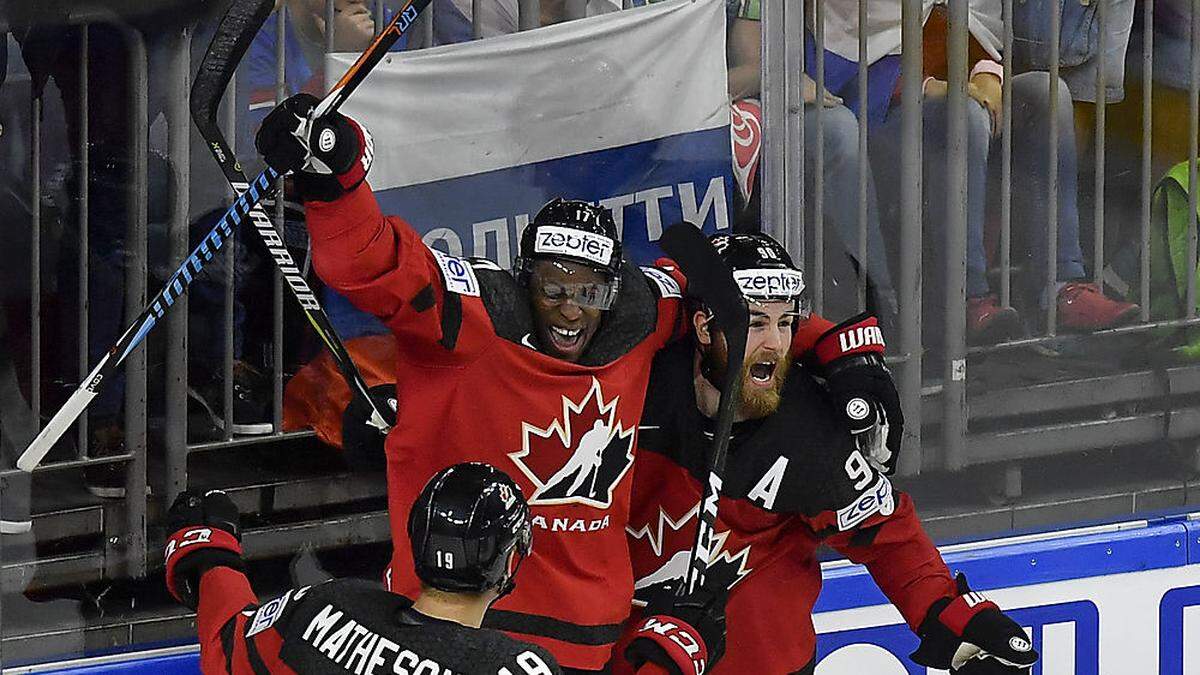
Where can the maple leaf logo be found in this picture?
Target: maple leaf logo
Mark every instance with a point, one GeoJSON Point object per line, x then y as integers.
{"type": "Point", "coordinates": [581, 456]}
{"type": "Point", "coordinates": [673, 538]}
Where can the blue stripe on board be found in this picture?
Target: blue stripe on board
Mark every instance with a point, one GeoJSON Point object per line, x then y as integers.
{"type": "Point", "coordinates": [1147, 548]}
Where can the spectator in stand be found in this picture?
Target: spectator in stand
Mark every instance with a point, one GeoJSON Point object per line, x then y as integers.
{"type": "Point", "coordinates": [1082, 306]}
{"type": "Point", "coordinates": [1079, 48]}
{"type": "Point", "coordinates": [1079, 56]}
{"type": "Point", "coordinates": [842, 165]}
{"type": "Point", "coordinates": [499, 17]}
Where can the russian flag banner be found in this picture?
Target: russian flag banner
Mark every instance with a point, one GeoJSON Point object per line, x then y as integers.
{"type": "Point", "coordinates": [629, 109]}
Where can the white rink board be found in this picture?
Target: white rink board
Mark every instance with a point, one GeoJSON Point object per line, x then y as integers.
{"type": "Point", "coordinates": [1128, 623]}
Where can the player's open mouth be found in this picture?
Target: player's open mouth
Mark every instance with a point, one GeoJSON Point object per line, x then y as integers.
{"type": "Point", "coordinates": [565, 340]}
{"type": "Point", "coordinates": [762, 372]}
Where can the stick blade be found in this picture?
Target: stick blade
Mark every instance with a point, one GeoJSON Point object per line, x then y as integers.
{"type": "Point", "coordinates": [708, 278]}
{"type": "Point", "coordinates": [55, 428]}
{"type": "Point", "coordinates": [232, 38]}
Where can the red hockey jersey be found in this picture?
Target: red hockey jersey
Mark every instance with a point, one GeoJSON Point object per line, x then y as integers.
{"type": "Point", "coordinates": [472, 386]}
{"type": "Point", "coordinates": [793, 481]}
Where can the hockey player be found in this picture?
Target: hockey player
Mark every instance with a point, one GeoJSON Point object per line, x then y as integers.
{"type": "Point", "coordinates": [471, 531]}
{"type": "Point", "coordinates": [542, 372]}
{"type": "Point", "coordinates": [471, 528]}
{"type": "Point", "coordinates": [794, 479]}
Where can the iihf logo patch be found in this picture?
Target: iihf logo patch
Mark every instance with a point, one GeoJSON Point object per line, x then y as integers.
{"type": "Point", "coordinates": [579, 457]}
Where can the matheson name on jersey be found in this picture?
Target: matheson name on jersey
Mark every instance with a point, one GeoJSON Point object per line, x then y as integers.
{"type": "Point", "coordinates": [577, 458]}
{"type": "Point", "coordinates": [360, 650]}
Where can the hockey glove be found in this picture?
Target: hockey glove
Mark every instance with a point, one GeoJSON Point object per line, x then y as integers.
{"type": "Point", "coordinates": [684, 635]}
{"type": "Point", "coordinates": [362, 442]}
{"type": "Point", "coordinates": [850, 358]}
{"type": "Point", "coordinates": [330, 155]}
{"type": "Point", "coordinates": [206, 535]}
{"type": "Point", "coordinates": [969, 635]}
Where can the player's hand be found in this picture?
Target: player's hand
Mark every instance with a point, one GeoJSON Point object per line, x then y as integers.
{"type": "Point", "coordinates": [850, 358]}
{"type": "Point", "coordinates": [330, 155]}
{"type": "Point", "coordinates": [361, 441]}
{"type": "Point", "coordinates": [969, 635]}
{"type": "Point", "coordinates": [683, 634]}
{"type": "Point", "coordinates": [206, 534]}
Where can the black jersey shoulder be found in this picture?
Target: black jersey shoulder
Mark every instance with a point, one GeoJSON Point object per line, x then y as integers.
{"type": "Point", "coordinates": [331, 627]}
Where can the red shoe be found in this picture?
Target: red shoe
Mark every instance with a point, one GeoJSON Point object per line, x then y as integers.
{"type": "Point", "coordinates": [989, 323]}
{"type": "Point", "coordinates": [1082, 306]}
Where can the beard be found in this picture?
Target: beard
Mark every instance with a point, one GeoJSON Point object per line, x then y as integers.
{"type": "Point", "coordinates": [755, 401]}
{"type": "Point", "coordinates": [762, 401]}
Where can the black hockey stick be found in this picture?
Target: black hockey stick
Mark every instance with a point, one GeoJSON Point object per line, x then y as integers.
{"type": "Point", "coordinates": [235, 38]}
{"type": "Point", "coordinates": [232, 38]}
{"type": "Point", "coordinates": [710, 280]}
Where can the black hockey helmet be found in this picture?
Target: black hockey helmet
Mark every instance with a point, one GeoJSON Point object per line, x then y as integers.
{"type": "Point", "coordinates": [575, 231]}
{"type": "Point", "coordinates": [763, 269]}
{"type": "Point", "coordinates": [464, 524]}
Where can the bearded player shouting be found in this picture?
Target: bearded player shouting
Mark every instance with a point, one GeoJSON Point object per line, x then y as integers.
{"type": "Point", "coordinates": [795, 478]}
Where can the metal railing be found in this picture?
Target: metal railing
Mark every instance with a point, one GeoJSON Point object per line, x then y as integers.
{"type": "Point", "coordinates": [785, 200]}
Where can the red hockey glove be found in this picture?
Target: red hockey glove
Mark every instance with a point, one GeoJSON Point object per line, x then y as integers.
{"type": "Point", "coordinates": [850, 358]}
{"type": "Point", "coordinates": [330, 155]}
{"type": "Point", "coordinates": [684, 635]}
{"type": "Point", "coordinates": [206, 535]}
{"type": "Point", "coordinates": [969, 635]}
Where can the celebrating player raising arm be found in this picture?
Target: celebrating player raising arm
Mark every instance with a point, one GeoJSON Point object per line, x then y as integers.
{"type": "Point", "coordinates": [541, 373]}
{"type": "Point", "coordinates": [795, 478]}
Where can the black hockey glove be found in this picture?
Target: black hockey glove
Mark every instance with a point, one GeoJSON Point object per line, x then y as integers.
{"type": "Point", "coordinates": [330, 155]}
{"type": "Point", "coordinates": [362, 442]}
{"type": "Point", "coordinates": [850, 358]}
{"type": "Point", "coordinates": [969, 635]}
{"type": "Point", "coordinates": [685, 635]}
{"type": "Point", "coordinates": [207, 534]}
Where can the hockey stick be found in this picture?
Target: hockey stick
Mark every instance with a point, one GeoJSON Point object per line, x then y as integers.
{"type": "Point", "coordinates": [710, 280]}
{"type": "Point", "coordinates": [242, 12]}
{"type": "Point", "coordinates": [232, 38]}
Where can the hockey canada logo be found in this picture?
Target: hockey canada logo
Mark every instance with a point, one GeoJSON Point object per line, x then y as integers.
{"type": "Point", "coordinates": [579, 457]}
{"type": "Point", "coordinates": [670, 542]}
